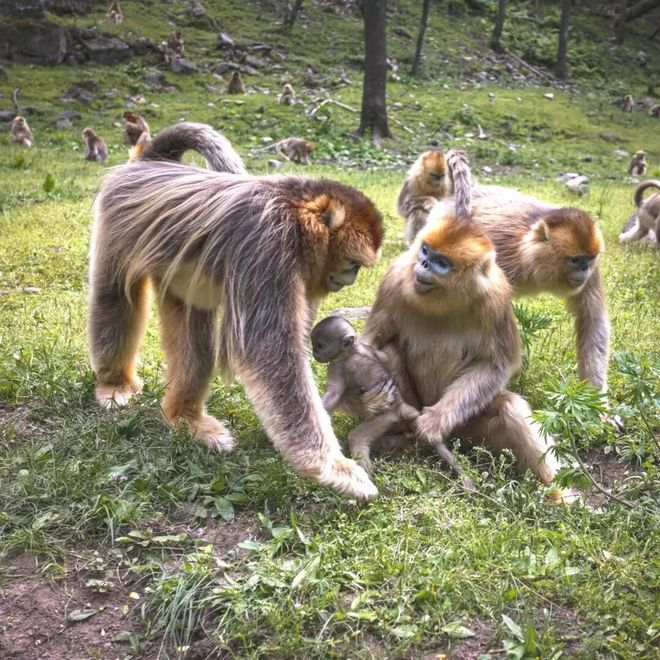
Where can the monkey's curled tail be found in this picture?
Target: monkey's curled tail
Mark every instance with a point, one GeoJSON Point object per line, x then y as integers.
{"type": "Point", "coordinates": [458, 165]}
{"type": "Point", "coordinates": [174, 141]}
{"type": "Point", "coordinates": [644, 185]}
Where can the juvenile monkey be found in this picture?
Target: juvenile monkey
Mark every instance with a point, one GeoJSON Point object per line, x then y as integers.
{"type": "Point", "coordinates": [114, 14]}
{"type": "Point", "coordinates": [360, 383]}
{"type": "Point", "coordinates": [240, 264]}
{"type": "Point", "coordinates": [236, 85]}
{"type": "Point", "coordinates": [175, 43]}
{"type": "Point", "coordinates": [426, 182]}
{"type": "Point", "coordinates": [135, 126]}
{"type": "Point", "coordinates": [444, 310]}
{"type": "Point", "coordinates": [638, 164]}
{"type": "Point", "coordinates": [628, 103]}
{"type": "Point", "coordinates": [431, 177]}
{"type": "Point", "coordinates": [646, 220]}
{"type": "Point", "coordinates": [95, 147]}
{"type": "Point", "coordinates": [294, 149]}
{"type": "Point", "coordinates": [654, 111]}
{"type": "Point", "coordinates": [20, 132]}
{"type": "Point", "coordinates": [288, 96]}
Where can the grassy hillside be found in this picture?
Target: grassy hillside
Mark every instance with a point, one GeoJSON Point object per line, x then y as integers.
{"type": "Point", "coordinates": [120, 537]}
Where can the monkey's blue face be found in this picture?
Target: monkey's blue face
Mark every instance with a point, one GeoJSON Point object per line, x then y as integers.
{"type": "Point", "coordinates": [579, 269]}
{"type": "Point", "coordinates": [344, 277]}
{"type": "Point", "coordinates": [430, 268]}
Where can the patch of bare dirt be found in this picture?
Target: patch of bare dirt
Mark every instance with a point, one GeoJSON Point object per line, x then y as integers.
{"type": "Point", "coordinates": [36, 618]}
{"type": "Point", "coordinates": [17, 423]}
{"type": "Point", "coordinates": [463, 649]}
{"type": "Point", "coordinates": [610, 471]}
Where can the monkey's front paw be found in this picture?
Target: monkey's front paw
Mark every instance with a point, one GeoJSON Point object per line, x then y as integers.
{"type": "Point", "coordinates": [117, 395]}
{"type": "Point", "coordinates": [428, 427]}
{"type": "Point", "coordinates": [562, 497]}
{"type": "Point", "coordinates": [616, 422]}
{"type": "Point", "coordinates": [347, 478]}
{"type": "Point", "coordinates": [213, 434]}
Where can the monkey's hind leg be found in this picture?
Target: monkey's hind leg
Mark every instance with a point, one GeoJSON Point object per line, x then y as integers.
{"type": "Point", "coordinates": [191, 345]}
{"type": "Point", "coordinates": [506, 424]}
{"type": "Point", "coordinates": [363, 436]}
{"type": "Point", "coordinates": [116, 326]}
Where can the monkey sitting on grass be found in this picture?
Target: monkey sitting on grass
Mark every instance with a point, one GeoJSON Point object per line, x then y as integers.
{"type": "Point", "coordinates": [361, 383]}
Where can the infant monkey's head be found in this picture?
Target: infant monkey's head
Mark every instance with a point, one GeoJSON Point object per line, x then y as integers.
{"type": "Point", "coordinates": [331, 337]}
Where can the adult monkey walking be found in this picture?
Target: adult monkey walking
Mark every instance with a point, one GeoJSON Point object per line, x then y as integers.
{"type": "Point", "coordinates": [264, 250]}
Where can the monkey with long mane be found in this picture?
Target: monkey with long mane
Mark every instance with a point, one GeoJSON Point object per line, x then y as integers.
{"type": "Point", "coordinates": [239, 263]}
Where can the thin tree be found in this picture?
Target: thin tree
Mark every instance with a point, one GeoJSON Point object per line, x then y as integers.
{"type": "Point", "coordinates": [496, 37]}
{"type": "Point", "coordinates": [420, 37]}
{"type": "Point", "coordinates": [627, 15]}
{"type": "Point", "coordinates": [563, 38]}
{"type": "Point", "coordinates": [374, 110]}
{"type": "Point", "coordinates": [292, 14]}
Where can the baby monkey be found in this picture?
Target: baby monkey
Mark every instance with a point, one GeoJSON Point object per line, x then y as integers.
{"type": "Point", "coordinates": [361, 383]}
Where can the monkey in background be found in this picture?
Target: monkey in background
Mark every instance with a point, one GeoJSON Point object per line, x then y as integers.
{"type": "Point", "coordinates": [293, 149]}
{"type": "Point", "coordinates": [266, 250]}
{"type": "Point", "coordinates": [175, 43]}
{"type": "Point", "coordinates": [95, 147]}
{"type": "Point", "coordinates": [628, 103]}
{"type": "Point", "coordinates": [545, 248]}
{"type": "Point", "coordinates": [114, 14]}
{"type": "Point", "coordinates": [638, 164]}
{"type": "Point", "coordinates": [445, 312]}
{"type": "Point", "coordinates": [20, 132]}
{"type": "Point", "coordinates": [236, 85]}
{"type": "Point", "coordinates": [426, 182]}
{"type": "Point", "coordinates": [288, 96]}
{"type": "Point", "coordinates": [646, 220]}
{"type": "Point", "coordinates": [654, 111]}
{"type": "Point", "coordinates": [135, 125]}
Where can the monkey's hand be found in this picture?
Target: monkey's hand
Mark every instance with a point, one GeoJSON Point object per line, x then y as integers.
{"type": "Point", "coordinates": [429, 426]}
{"type": "Point", "coordinates": [408, 413]}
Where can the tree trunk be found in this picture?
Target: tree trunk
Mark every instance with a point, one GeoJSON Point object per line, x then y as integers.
{"type": "Point", "coordinates": [292, 15]}
{"type": "Point", "coordinates": [563, 38]}
{"type": "Point", "coordinates": [495, 39]}
{"type": "Point", "coordinates": [374, 109]}
{"type": "Point", "coordinates": [620, 24]}
{"type": "Point", "coordinates": [420, 37]}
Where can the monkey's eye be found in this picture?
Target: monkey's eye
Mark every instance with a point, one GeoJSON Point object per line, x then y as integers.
{"type": "Point", "coordinates": [436, 177]}
{"type": "Point", "coordinates": [441, 265]}
{"type": "Point", "coordinates": [425, 252]}
{"type": "Point", "coordinates": [575, 260]}
{"type": "Point", "coordinates": [319, 345]}
{"type": "Point", "coordinates": [354, 266]}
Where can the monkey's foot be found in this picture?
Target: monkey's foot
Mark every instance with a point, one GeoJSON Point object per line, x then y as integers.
{"type": "Point", "coordinates": [616, 422]}
{"type": "Point", "coordinates": [212, 433]}
{"type": "Point", "coordinates": [562, 497]}
{"type": "Point", "coordinates": [116, 395]}
{"type": "Point", "coordinates": [347, 478]}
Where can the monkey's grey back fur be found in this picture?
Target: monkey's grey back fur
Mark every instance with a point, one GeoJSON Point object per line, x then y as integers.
{"type": "Point", "coordinates": [174, 141]}
{"type": "Point", "coordinates": [458, 165]}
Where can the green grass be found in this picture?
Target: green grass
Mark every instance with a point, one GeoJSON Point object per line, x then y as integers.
{"type": "Point", "coordinates": [239, 550]}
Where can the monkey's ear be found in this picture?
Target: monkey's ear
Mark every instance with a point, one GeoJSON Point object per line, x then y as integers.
{"type": "Point", "coordinates": [541, 231]}
{"type": "Point", "coordinates": [347, 342]}
{"type": "Point", "coordinates": [329, 211]}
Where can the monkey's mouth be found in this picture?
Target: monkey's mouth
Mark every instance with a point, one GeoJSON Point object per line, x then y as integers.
{"type": "Point", "coordinates": [423, 285]}
{"type": "Point", "coordinates": [576, 282]}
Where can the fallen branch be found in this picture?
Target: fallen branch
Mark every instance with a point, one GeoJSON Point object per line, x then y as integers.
{"type": "Point", "coordinates": [313, 112]}
{"type": "Point", "coordinates": [534, 70]}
